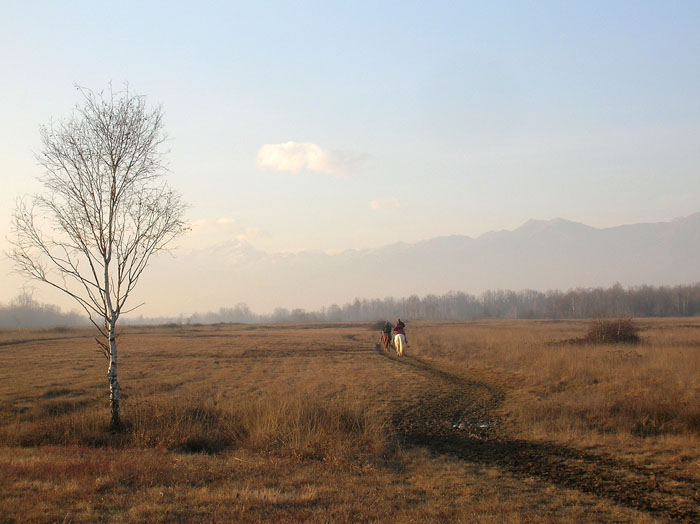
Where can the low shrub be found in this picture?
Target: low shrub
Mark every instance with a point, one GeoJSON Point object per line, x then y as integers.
{"type": "Point", "coordinates": [612, 331]}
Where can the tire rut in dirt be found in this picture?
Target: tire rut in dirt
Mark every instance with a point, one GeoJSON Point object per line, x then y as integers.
{"type": "Point", "coordinates": [461, 420]}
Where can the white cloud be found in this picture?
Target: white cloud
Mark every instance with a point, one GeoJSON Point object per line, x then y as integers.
{"type": "Point", "coordinates": [204, 225]}
{"type": "Point", "coordinates": [196, 224]}
{"type": "Point", "coordinates": [207, 232]}
{"type": "Point", "coordinates": [390, 203]}
{"type": "Point", "coordinates": [248, 234]}
{"type": "Point", "coordinates": [294, 157]}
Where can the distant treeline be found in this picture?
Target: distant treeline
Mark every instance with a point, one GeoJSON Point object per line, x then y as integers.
{"type": "Point", "coordinates": [615, 301]}
{"type": "Point", "coordinates": [23, 311]}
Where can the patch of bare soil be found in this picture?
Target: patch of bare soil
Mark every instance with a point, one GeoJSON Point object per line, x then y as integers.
{"type": "Point", "coordinates": [458, 417]}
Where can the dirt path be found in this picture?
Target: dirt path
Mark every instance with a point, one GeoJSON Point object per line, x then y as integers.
{"type": "Point", "coordinates": [459, 417]}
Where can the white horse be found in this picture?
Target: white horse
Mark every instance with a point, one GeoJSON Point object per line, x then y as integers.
{"type": "Point", "coordinates": [399, 343]}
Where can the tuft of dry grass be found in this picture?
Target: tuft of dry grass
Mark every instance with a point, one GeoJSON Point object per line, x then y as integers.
{"type": "Point", "coordinates": [297, 425]}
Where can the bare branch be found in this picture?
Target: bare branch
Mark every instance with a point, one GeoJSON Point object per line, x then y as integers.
{"type": "Point", "coordinates": [105, 208]}
{"type": "Point", "coordinates": [104, 211]}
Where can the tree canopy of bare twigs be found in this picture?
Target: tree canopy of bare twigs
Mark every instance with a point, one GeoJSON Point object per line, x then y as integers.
{"type": "Point", "coordinates": [105, 210]}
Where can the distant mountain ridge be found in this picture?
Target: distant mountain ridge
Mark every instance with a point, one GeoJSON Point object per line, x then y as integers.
{"type": "Point", "coordinates": [541, 254]}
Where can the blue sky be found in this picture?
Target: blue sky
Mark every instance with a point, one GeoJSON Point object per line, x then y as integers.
{"type": "Point", "coordinates": [425, 118]}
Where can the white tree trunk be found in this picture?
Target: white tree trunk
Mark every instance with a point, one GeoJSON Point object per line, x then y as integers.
{"type": "Point", "coordinates": [115, 421]}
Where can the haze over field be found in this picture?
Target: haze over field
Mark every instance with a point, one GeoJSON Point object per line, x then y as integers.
{"type": "Point", "coordinates": [332, 151]}
{"type": "Point", "coordinates": [541, 255]}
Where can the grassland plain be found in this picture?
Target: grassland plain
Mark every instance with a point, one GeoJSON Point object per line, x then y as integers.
{"type": "Point", "coordinates": [497, 421]}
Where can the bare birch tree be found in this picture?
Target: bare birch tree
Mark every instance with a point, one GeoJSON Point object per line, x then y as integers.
{"type": "Point", "coordinates": [104, 211]}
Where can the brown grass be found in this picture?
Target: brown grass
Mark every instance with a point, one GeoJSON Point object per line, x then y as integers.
{"type": "Point", "coordinates": [590, 392]}
{"type": "Point", "coordinates": [297, 425]}
{"type": "Point", "coordinates": [291, 423]}
{"type": "Point", "coordinates": [207, 415]}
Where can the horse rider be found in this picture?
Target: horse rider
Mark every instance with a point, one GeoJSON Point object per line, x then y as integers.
{"type": "Point", "coordinates": [399, 337]}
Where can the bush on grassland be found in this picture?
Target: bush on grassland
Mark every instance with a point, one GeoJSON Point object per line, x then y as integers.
{"type": "Point", "coordinates": [612, 331]}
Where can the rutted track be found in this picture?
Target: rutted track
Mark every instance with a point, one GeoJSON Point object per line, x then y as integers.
{"type": "Point", "coordinates": [460, 418]}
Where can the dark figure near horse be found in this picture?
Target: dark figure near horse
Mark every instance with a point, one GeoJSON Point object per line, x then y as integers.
{"type": "Point", "coordinates": [386, 336]}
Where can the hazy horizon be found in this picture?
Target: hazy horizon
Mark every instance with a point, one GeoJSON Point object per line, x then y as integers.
{"type": "Point", "coordinates": [301, 127]}
{"type": "Point", "coordinates": [540, 255]}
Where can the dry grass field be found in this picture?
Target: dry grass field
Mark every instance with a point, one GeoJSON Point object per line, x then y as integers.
{"type": "Point", "coordinates": [498, 421]}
